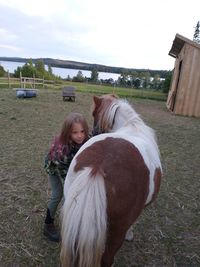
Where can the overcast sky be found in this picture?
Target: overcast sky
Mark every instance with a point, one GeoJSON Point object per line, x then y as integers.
{"type": "Point", "coordinates": [121, 33]}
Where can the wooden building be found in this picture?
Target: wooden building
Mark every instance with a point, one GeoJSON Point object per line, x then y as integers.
{"type": "Point", "coordinates": [184, 94]}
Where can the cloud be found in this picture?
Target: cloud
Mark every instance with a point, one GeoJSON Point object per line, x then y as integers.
{"type": "Point", "coordinates": [35, 8]}
{"type": "Point", "coordinates": [135, 34]}
{"type": "Point", "coordinates": [10, 47]}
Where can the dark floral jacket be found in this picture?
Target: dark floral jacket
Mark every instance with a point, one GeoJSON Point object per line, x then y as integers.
{"type": "Point", "coordinates": [58, 165]}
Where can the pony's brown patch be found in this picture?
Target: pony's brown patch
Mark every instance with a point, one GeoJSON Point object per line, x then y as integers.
{"type": "Point", "coordinates": [125, 173]}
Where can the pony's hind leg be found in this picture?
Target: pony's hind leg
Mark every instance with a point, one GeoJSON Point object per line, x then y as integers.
{"type": "Point", "coordinates": [113, 243]}
{"type": "Point", "coordinates": [129, 234]}
{"type": "Point", "coordinates": [107, 260]}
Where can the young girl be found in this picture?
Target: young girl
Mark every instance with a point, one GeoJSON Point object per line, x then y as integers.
{"type": "Point", "coordinates": [73, 135]}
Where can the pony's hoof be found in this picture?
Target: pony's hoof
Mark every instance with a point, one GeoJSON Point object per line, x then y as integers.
{"type": "Point", "coordinates": [129, 235]}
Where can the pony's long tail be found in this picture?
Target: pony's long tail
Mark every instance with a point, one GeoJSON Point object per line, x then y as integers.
{"type": "Point", "coordinates": [84, 221]}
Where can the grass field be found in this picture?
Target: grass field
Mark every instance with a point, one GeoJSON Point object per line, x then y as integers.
{"type": "Point", "coordinates": [95, 89]}
{"type": "Point", "coordinates": [167, 234]}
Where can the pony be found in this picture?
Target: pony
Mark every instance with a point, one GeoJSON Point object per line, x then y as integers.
{"type": "Point", "coordinates": [112, 178]}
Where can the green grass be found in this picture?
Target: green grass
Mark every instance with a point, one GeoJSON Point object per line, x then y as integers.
{"type": "Point", "coordinates": [101, 89]}
{"type": "Point", "coordinates": [166, 234]}
{"type": "Point", "coordinates": [122, 92]}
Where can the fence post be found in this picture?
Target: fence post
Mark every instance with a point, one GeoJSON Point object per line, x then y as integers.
{"type": "Point", "coordinates": [43, 83]}
{"type": "Point", "coordinates": [20, 74]}
{"type": "Point", "coordinates": [8, 80]}
{"type": "Point", "coordinates": [33, 80]}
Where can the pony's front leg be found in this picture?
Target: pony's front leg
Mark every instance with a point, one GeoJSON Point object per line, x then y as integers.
{"type": "Point", "coordinates": [129, 234]}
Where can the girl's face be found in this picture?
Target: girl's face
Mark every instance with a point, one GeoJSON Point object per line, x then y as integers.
{"type": "Point", "coordinates": [77, 133]}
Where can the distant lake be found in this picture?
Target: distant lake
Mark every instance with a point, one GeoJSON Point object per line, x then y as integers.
{"type": "Point", "coordinates": [62, 72]}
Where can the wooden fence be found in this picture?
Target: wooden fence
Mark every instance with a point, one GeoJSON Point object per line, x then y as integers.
{"type": "Point", "coordinates": [24, 82]}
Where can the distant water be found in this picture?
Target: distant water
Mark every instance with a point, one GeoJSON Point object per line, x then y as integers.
{"type": "Point", "coordinates": [63, 73]}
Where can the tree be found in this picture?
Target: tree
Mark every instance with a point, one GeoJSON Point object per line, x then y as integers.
{"type": "Point", "coordinates": [40, 69]}
{"type": "Point", "coordinates": [37, 71]}
{"type": "Point", "coordinates": [27, 70]}
{"type": "Point", "coordinates": [50, 70]}
{"type": "Point", "coordinates": [146, 79]}
{"type": "Point", "coordinates": [156, 81]}
{"type": "Point", "coordinates": [123, 78]}
{"type": "Point", "coordinates": [17, 72]}
{"type": "Point", "coordinates": [196, 37]}
{"type": "Point", "coordinates": [2, 71]}
{"type": "Point", "coordinates": [94, 75]}
{"type": "Point", "coordinates": [167, 83]}
{"type": "Point", "coordinates": [137, 83]}
{"type": "Point", "coordinates": [79, 77]}
{"type": "Point", "coordinates": [133, 76]}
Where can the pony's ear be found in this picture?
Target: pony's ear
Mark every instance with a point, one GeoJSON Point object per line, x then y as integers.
{"type": "Point", "coordinates": [97, 101]}
{"type": "Point", "coordinates": [114, 95]}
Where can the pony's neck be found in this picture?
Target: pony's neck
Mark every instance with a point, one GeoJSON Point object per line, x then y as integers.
{"type": "Point", "coordinates": [119, 122]}
{"type": "Point", "coordinates": [127, 117]}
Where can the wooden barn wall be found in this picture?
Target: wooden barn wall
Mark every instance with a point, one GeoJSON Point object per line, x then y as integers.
{"type": "Point", "coordinates": [172, 91]}
{"type": "Point", "coordinates": [187, 101]}
{"type": "Point", "coordinates": [171, 100]}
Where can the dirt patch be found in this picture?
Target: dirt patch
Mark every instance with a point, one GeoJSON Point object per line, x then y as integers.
{"type": "Point", "coordinates": [166, 234]}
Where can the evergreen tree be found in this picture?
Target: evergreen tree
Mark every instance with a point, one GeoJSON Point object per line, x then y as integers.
{"type": "Point", "coordinates": [94, 75]}
{"type": "Point", "coordinates": [196, 37]}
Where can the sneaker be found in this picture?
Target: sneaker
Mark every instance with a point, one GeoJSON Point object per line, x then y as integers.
{"type": "Point", "coordinates": [51, 232]}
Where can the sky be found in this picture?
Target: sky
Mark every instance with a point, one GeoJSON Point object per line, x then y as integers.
{"type": "Point", "coordinates": [128, 33]}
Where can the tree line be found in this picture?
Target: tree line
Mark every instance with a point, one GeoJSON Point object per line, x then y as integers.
{"type": "Point", "coordinates": [134, 79]}
{"type": "Point", "coordinates": [85, 66]}
{"type": "Point", "coordinates": [129, 79]}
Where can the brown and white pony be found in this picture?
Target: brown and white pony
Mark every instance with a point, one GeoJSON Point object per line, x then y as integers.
{"type": "Point", "coordinates": [111, 179]}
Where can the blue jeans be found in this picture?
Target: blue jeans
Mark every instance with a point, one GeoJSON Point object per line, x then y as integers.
{"type": "Point", "coordinates": [56, 193]}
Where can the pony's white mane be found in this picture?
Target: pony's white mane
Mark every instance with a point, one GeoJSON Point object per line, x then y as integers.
{"type": "Point", "coordinates": [126, 115]}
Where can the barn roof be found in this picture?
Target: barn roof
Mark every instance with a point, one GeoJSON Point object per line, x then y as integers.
{"type": "Point", "coordinates": [178, 43]}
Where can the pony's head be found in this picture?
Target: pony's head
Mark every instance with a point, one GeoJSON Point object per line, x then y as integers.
{"type": "Point", "coordinates": [104, 111]}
